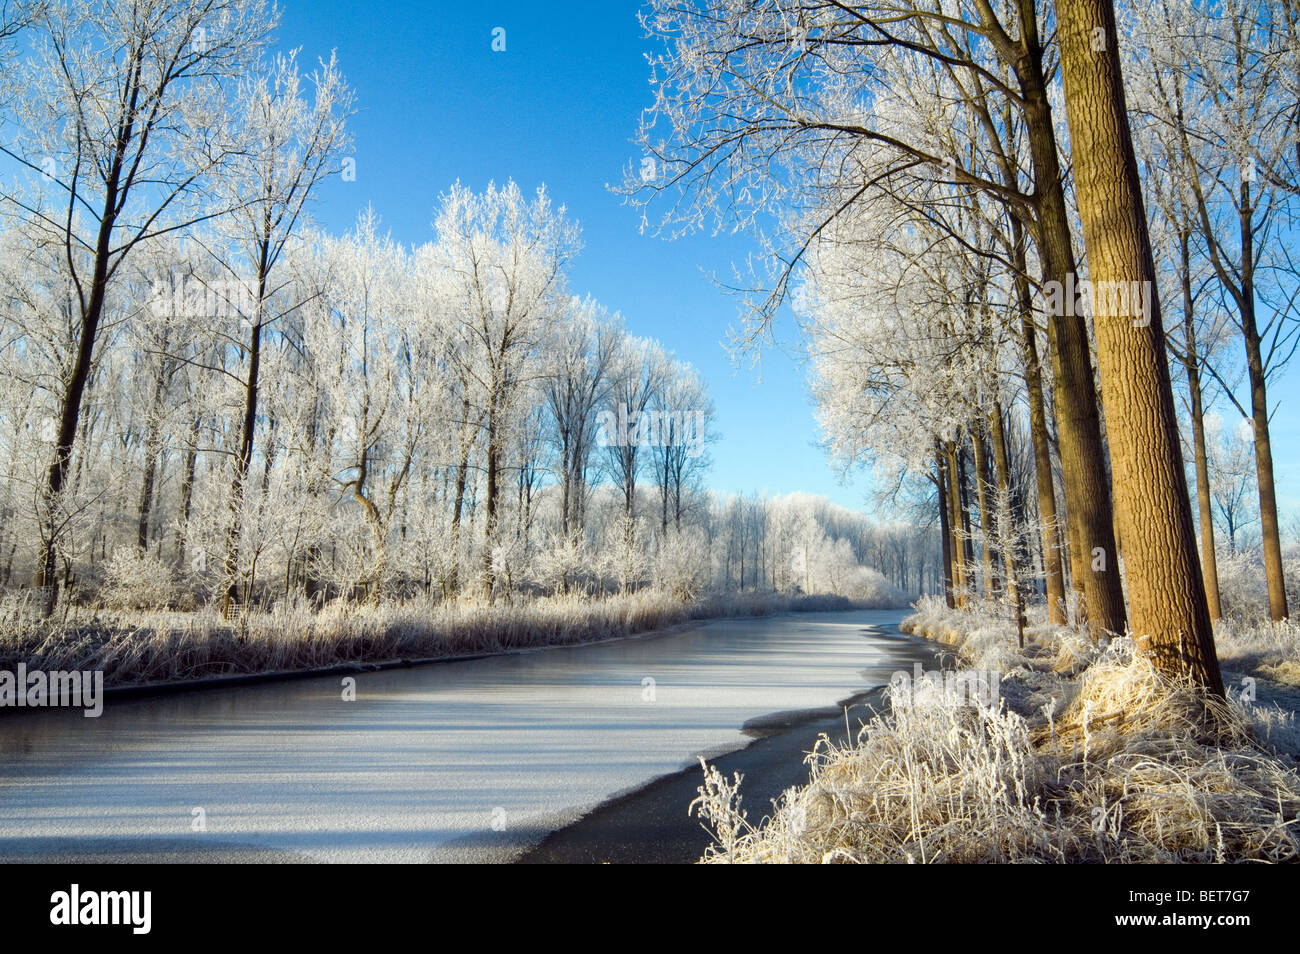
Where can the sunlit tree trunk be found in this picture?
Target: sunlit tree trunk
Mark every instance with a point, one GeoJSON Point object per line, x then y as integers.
{"type": "Point", "coordinates": [1270, 537]}
{"type": "Point", "coordinates": [1010, 571]}
{"type": "Point", "coordinates": [1083, 452]}
{"type": "Point", "coordinates": [968, 538]}
{"type": "Point", "coordinates": [1168, 611]}
{"type": "Point", "coordinates": [955, 524]}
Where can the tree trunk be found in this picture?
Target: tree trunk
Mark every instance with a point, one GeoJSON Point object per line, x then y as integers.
{"type": "Point", "coordinates": [955, 526]}
{"type": "Point", "coordinates": [945, 533]}
{"type": "Point", "coordinates": [566, 486]}
{"type": "Point", "coordinates": [244, 454]}
{"type": "Point", "coordinates": [1166, 592]}
{"type": "Point", "coordinates": [152, 450]}
{"type": "Point", "coordinates": [490, 517]}
{"type": "Point", "coordinates": [1083, 453]}
{"type": "Point", "coordinates": [187, 485]}
{"type": "Point", "coordinates": [1045, 482]}
{"type": "Point", "coordinates": [1268, 524]}
{"type": "Point", "coordinates": [462, 475]}
{"type": "Point", "coordinates": [376, 524]}
{"type": "Point", "coordinates": [70, 412]}
{"type": "Point", "coordinates": [239, 476]}
{"type": "Point", "coordinates": [1002, 467]}
{"type": "Point", "coordinates": [988, 550]}
{"type": "Point", "coordinates": [968, 538]}
{"type": "Point", "coordinates": [1191, 360]}
{"type": "Point", "coordinates": [146, 491]}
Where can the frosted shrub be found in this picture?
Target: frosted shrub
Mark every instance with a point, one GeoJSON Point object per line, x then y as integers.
{"type": "Point", "coordinates": [1243, 590]}
{"type": "Point", "coordinates": [135, 580]}
{"type": "Point", "coordinates": [930, 783]}
{"type": "Point", "coordinates": [682, 564]}
{"type": "Point", "coordinates": [563, 562]}
{"type": "Point", "coordinates": [625, 560]}
{"type": "Point", "coordinates": [718, 806]}
{"type": "Point", "coordinates": [868, 585]}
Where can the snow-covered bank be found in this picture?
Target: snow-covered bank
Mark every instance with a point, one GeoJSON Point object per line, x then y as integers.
{"type": "Point", "coordinates": [1088, 755]}
{"type": "Point", "coordinates": [139, 648]}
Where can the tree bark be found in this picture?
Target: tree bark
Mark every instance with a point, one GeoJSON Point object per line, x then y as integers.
{"type": "Point", "coordinates": [462, 475]}
{"type": "Point", "coordinates": [493, 494]}
{"type": "Point", "coordinates": [1166, 593]}
{"type": "Point", "coordinates": [248, 429]}
{"type": "Point", "coordinates": [1010, 570]}
{"type": "Point", "coordinates": [187, 485]}
{"type": "Point", "coordinates": [968, 538]}
{"type": "Point", "coordinates": [955, 525]}
{"type": "Point", "coordinates": [239, 475]}
{"type": "Point", "coordinates": [70, 412]}
{"type": "Point", "coordinates": [1045, 481]}
{"type": "Point", "coordinates": [152, 450]}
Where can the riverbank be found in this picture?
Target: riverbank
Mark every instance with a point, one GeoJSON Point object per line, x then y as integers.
{"type": "Point", "coordinates": [1086, 755]}
{"type": "Point", "coordinates": [146, 650]}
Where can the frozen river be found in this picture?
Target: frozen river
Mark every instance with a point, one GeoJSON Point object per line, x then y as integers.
{"type": "Point", "coordinates": [463, 761]}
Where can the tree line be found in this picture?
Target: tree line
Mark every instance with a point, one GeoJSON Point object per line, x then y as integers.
{"type": "Point", "coordinates": [208, 398]}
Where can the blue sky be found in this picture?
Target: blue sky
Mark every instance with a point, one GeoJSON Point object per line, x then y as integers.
{"type": "Point", "coordinates": [560, 107]}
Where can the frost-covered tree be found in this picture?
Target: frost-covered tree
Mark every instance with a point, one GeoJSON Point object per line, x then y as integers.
{"type": "Point", "coordinates": [575, 385]}
{"type": "Point", "coordinates": [1166, 591]}
{"type": "Point", "coordinates": [120, 118]}
{"type": "Point", "coordinates": [679, 428]}
{"type": "Point", "coordinates": [368, 356]}
{"type": "Point", "coordinates": [294, 144]}
{"type": "Point", "coordinates": [501, 258]}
